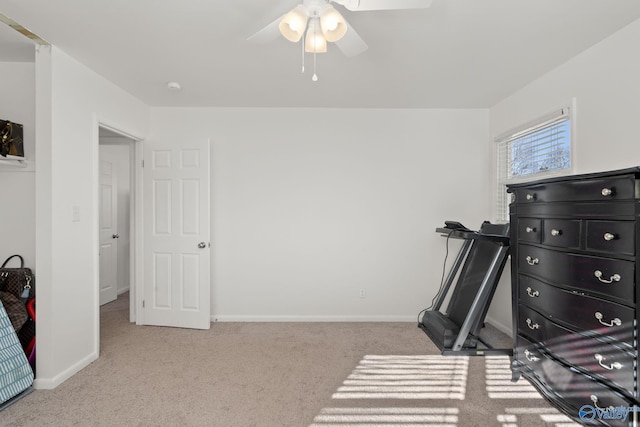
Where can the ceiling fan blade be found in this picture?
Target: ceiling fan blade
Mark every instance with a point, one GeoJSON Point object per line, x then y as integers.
{"type": "Point", "coordinates": [363, 5]}
{"type": "Point", "coordinates": [351, 44]}
{"type": "Point", "coordinates": [268, 33]}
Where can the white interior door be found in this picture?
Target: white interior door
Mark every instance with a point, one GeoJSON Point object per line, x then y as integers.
{"type": "Point", "coordinates": [108, 228]}
{"type": "Point", "coordinates": [176, 234]}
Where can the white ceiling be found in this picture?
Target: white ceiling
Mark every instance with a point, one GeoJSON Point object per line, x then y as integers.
{"type": "Point", "coordinates": [456, 54]}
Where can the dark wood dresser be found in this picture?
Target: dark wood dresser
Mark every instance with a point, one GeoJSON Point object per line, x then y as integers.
{"type": "Point", "coordinates": [574, 248]}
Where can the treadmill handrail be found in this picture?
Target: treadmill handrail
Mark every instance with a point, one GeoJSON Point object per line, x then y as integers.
{"type": "Point", "coordinates": [473, 235]}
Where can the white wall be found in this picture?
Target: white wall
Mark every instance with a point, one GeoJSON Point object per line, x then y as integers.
{"type": "Point", "coordinates": [605, 82]}
{"type": "Point", "coordinates": [311, 205]}
{"type": "Point", "coordinates": [71, 100]}
{"type": "Point", "coordinates": [17, 216]}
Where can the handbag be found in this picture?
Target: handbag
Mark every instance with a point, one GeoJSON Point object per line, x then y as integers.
{"type": "Point", "coordinates": [18, 281]}
{"type": "Point", "coordinates": [11, 139]}
{"type": "Point", "coordinates": [16, 310]}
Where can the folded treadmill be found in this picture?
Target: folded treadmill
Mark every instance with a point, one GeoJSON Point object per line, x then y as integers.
{"type": "Point", "coordinates": [477, 268]}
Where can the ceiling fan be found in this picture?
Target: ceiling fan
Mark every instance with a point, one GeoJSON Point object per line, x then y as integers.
{"type": "Point", "coordinates": [322, 23]}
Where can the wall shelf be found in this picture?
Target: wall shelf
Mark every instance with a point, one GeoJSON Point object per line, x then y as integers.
{"type": "Point", "coordinates": [13, 161]}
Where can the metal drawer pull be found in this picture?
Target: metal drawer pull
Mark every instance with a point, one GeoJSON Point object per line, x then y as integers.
{"type": "Point", "coordinates": [607, 191]}
{"type": "Point", "coordinates": [615, 278]}
{"type": "Point", "coordinates": [532, 293]}
{"type": "Point", "coordinates": [555, 232]}
{"type": "Point", "coordinates": [532, 261]}
{"type": "Point", "coordinates": [594, 399]}
{"type": "Point", "coordinates": [531, 196]}
{"type": "Point", "coordinates": [532, 325]}
{"type": "Point", "coordinates": [530, 230]}
{"type": "Point", "coordinates": [530, 357]}
{"type": "Point", "coordinates": [609, 236]}
{"type": "Point", "coordinates": [614, 365]}
{"type": "Point", "coordinates": [614, 322]}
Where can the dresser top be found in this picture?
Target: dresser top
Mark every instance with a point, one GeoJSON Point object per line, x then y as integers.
{"type": "Point", "coordinates": [607, 174]}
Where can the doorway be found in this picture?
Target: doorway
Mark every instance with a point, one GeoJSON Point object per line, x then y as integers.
{"type": "Point", "coordinates": [116, 230]}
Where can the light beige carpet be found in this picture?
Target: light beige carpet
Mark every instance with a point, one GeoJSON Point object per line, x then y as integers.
{"type": "Point", "coordinates": [281, 374]}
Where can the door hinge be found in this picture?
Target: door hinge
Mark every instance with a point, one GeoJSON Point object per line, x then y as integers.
{"type": "Point", "coordinates": [142, 163]}
{"type": "Point", "coordinates": [142, 303]}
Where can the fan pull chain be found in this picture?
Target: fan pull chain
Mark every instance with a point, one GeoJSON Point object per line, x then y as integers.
{"type": "Point", "coordinates": [315, 76]}
{"type": "Point", "coordinates": [302, 45]}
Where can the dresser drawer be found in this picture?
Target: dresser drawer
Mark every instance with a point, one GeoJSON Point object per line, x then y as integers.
{"type": "Point", "coordinates": [529, 230]}
{"type": "Point", "coordinates": [594, 189]}
{"type": "Point", "coordinates": [562, 233]}
{"type": "Point", "coordinates": [611, 278]}
{"type": "Point", "coordinates": [622, 209]}
{"type": "Point", "coordinates": [576, 390]}
{"type": "Point", "coordinates": [605, 358]}
{"type": "Point", "coordinates": [538, 328]}
{"type": "Point", "coordinates": [611, 236]}
{"type": "Point", "coordinates": [578, 311]}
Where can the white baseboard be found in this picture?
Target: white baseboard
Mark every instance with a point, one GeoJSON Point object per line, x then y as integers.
{"type": "Point", "coordinates": [317, 318]}
{"type": "Point", "coordinates": [123, 290]}
{"type": "Point", "coordinates": [53, 382]}
{"type": "Point", "coordinates": [499, 326]}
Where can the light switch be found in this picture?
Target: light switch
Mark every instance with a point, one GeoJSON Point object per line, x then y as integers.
{"type": "Point", "coordinates": [75, 215]}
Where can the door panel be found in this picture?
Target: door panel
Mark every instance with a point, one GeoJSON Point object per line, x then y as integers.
{"type": "Point", "coordinates": [176, 235]}
{"type": "Point", "coordinates": [161, 281]}
{"type": "Point", "coordinates": [108, 228]}
{"type": "Point", "coordinates": [190, 295]}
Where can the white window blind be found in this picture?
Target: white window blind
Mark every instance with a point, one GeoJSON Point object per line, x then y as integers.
{"type": "Point", "coordinates": [537, 149]}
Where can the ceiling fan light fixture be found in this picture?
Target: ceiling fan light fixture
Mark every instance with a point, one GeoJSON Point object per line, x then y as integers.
{"type": "Point", "coordinates": [314, 41]}
{"type": "Point", "coordinates": [293, 24]}
{"type": "Point", "coordinates": [333, 25]}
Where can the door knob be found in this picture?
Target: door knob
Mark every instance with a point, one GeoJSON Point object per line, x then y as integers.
{"type": "Point", "coordinates": [202, 245]}
{"type": "Point", "coordinates": [115, 236]}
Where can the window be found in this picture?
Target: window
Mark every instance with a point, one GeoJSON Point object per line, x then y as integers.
{"type": "Point", "coordinates": [536, 150]}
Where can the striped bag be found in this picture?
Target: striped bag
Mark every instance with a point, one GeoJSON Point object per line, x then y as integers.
{"type": "Point", "coordinates": [16, 376]}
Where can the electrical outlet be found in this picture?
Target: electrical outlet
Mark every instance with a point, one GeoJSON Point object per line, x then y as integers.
{"type": "Point", "coordinates": [363, 293]}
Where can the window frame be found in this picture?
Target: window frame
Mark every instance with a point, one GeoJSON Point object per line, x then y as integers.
{"type": "Point", "coordinates": [559, 115]}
